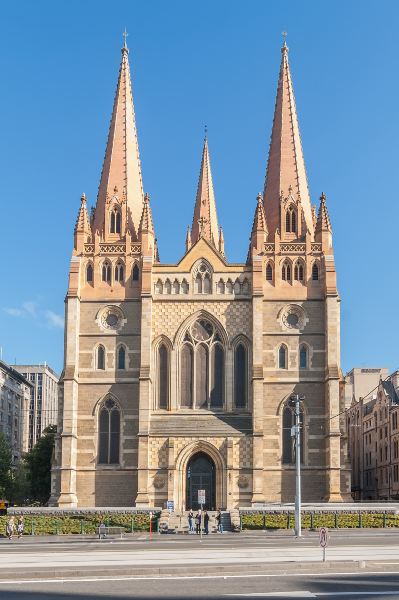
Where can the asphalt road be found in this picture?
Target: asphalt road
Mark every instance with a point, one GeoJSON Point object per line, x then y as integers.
{"type": "Point", "coordinates": [348, 586]}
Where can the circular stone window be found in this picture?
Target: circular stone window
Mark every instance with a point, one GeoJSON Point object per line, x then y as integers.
{"type": "Point", "coordinates": [293, 317]}
{"type": "Point", "coordinates": [111, 318]}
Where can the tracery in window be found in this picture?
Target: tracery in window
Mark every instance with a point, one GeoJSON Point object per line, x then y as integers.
{"type": "Point", "coordinates": [286, 271]}
{"type": "Point", "coordinates": [119, 272]}
{"type": "Point", "coordinates": [202, 369]}
{"type": "Point", "coordinates": [298, 271]}
{"type": "Point", "coordinates": [202, 279]}
{"type": "Point", "coordinates": [290, 220]}
{"type": "Point", "coordinates": [109, 433]}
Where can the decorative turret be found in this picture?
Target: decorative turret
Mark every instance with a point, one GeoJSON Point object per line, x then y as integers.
{"type": "Point", "coordinates": [82, 232]}
{"type": "Point", "coordinates": [205, 221]}
{"type": "Point", "coordinates": [314, 216]}
{"type": "Point", "coordinates": [323, 231]}
{"type": "Point", "coordinates": [146, 233]}
{"type": "Point", "coordinates": [188, 239]}
{"type": "Point", "coordinates": [259, 227]}
{"type": "Point", "coordinates": [221, 241]}
{"type": "Point", "coordinates": [121, 188]}
{"type": "Point", "coordinates": [286, 187]}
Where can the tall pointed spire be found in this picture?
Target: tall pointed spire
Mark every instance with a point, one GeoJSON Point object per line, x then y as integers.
{"type": "Point", "coordinates": [82, 230]}
{"type": "Point", "coordinates": [286, 165]}
{"type": "Point", "coordinates": [121, 173]}
{"type": "Point", "coordinates": [205, 221]}
{"type": "Point", "coordinates": [323, 218]}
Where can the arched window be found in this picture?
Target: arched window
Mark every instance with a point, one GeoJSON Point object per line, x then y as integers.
{"type": "Point", "coordinates": [207, 284]}
{"type": "Point", "coordinates": [159, 287]}
{"type": "Point", "coordinates": [282, 357]}
{"type": "Point", "coordinates": [315, 272]}
{"type": "Point", "coordinates": [115, 222]}
{"type": "Point", "coordinates": [240, 376]}
{"type": "Point", "coordinates": [288, 449]}
{"type": "Point", "coordinates": [220, 286]}
{"type": "Point", "coordinates": [202, 278]}
{"type": "Point", "coordinates": [100, 359]}
{"type": "Point", "coordinates": [298, 271]}
{"type": "Point", "coordinates": [89, 273]}
{"type": "Point", "coordinates": [286, 271]}
{"type": "Point", "coordinates": [109, 433]}
{"type": "Point", "coordinates": [106, 272]}
{"type": "Point", "coordinates": [202, 367]}
{"type": "Point", "coordinates": [187, 368]}
{"type": "Point", "coordinates": [184, 287]}
{"type": "Point", "coordinates": [121, 358]}
{"type": "Point", "coordinates": [269, 272]}
{"type": "Point", "coordinates": [119, 272]}
{"type": "Point", "coordinates": [163, 378]}
{"type": "Point", "coordinates": [229, 286]}
{"type": "Point", "coordinates": [290, 220]}
{"type": "Point", "coordinates": [201, 376]}
{"type": "Point", "coordinates": [303, 357]}
{"type": "Point", "coordinates": [217, 377]}
{"type": "Point", "coordinates": [136, 273]}
{"type": "Point", "coordinates": [168, 287]}
{"type": "Point", "coordinates": [176, 287]}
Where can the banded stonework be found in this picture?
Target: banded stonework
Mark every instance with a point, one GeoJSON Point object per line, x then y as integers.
{"type": "Point", "coordinates": [177, 377]}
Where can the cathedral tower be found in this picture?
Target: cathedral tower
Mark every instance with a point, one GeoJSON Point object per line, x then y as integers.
{"type": "Point", "coordinates": [177, 377]}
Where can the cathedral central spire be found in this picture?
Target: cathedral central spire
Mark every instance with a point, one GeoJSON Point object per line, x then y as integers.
{"type": "Point", "coordinates": [205, 220]}
{"type": "Point", "coordinates": [121, 174]}
{"type": "Point", "coordinates": [286, 173]}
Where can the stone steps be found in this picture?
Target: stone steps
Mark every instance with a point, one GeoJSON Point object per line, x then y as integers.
{"type": "Point", "coordinates": [178, 522]}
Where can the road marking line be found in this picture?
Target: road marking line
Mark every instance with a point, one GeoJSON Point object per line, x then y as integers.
{"type": "Point", "coordinates": [305, 594]}
{"type": "Point", "coordinates": [185, 577]}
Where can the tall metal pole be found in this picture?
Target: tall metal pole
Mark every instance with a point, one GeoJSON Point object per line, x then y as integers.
{"type": "Point", "coordinates": [298, 501]}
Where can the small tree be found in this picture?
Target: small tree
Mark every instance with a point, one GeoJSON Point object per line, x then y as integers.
{"type": "Point", "coordinates": [38, 461]}
{"type": "Point", "coordinates": [5, 466]}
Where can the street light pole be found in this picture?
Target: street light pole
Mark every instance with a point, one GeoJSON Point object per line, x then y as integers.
{"type": "Point", "coordinates": [296, 400]}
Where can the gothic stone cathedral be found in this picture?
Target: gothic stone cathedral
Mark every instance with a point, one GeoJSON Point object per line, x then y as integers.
{"type": "Point", "coordinates": [177, 377]}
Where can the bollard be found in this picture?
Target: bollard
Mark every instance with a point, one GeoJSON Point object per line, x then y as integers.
{"type": "Point", "coordinates": [360, 520]}
{"type": "Point", "coordinates": [289, 521]}
{"type": "Point", "coordinates": [264, 521]}
{"type": "Point", "coordinates": [132, 526]}
{"type": "Point", "coordinates": [336, 520]}
{"type": "Point", "coordinates": [384, 522]}
{"type": "Point", "coordinates": [81, 527]}
{"type": "Point", "coordinates": [311, 521]}
{"type": "Point", "coordinates": [32, 527]}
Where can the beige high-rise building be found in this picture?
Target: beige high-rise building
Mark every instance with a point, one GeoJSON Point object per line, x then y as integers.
{"type": "Point", "coordinates": [177, 376]}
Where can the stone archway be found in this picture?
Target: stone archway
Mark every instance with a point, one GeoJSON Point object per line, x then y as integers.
{"type": "Point", "coordinates": [201, 475]}
{"type": "Point", "coordinates": [219, 477]}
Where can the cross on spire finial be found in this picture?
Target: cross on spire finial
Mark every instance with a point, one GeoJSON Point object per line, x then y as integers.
{"type": "Point", "coordinates": [284, 34]}
{"type": "Point", "coordinates": [206, 131]}
{"type": "Point", "coordinates": [125, 34]}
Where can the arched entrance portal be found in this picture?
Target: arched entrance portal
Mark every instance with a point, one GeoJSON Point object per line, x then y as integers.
{"type": "Point", "coordinates": [201, 475]}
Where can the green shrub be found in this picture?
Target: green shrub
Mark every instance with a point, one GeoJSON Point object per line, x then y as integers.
{"type": "Point", "coordinates": [330, 520]}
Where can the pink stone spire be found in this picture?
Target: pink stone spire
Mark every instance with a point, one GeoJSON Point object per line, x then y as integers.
{"type": "Point", "coordinates": [121, 173]}
{"type": "Point", "coordinates": [286, 165]}
{"type": "Point", "coordinates": [205, 221]}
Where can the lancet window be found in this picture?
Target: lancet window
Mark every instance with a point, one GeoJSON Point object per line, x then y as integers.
{"type": "Point", "coordinates": [290, 220]}
{"type": "Point", "coordinates": [135, 272]}
{"type": "Point", "coordinates": [163, 377]}
{"type": "Point", "coordinates": [203, 279]}
{"type": "Point", "coordinates": [288, 442]}
{"type": "Point", "coordinates": [121, 358]}
{"type": "Point", "coordinates": [315, 272]}
{"type": "Point", "coordinates": [109, 433]}
{"type": "Point", "coordinates": [240, 376]}
{"type": "Point", "coordinates": [269, 272]}
{"type": "Point", "coordinates": [119, 272]}
{"type": "Point", "coordinates": [100, 357]}
{"type": "Point", "coordinates": [106, 272]}
{"type": "Point", "coordinates": [298, 271]}
{"type": "Point", "coordinates": [202, 367]}
{"type": "Point", "coordinates": [286, 271]}
{"type": "Point", "coordinates": [115, 221]}
{"type": "Point", "coordinates": [89, 273]}
{"type": "Point", "coordinates": [303, 357]}
{"type": "Point", "coordinates": [283, 357]}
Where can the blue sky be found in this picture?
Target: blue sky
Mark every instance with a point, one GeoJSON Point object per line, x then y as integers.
{"type": "Point", "coordinates": [197, 63]}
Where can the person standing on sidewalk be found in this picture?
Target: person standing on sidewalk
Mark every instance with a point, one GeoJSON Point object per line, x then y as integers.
{"type": "Point", "coordinates": [10, 528]}
{"type": "Point", "coordinates": [206, 522]}
{"type": "Point", "coordinates": [190, 518]}
{"type": "Point", "coordinates": [219, 521]}
{"type": "Point", "coordinates": [198, 519]}
{"type": "Point", "coordinates": [20, 527]}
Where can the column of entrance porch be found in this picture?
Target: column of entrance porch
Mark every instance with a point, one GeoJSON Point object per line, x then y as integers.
{"type": "Point", "coordinates": [257, 381]}
{"type": "Point", "coordinates": [68, 435]}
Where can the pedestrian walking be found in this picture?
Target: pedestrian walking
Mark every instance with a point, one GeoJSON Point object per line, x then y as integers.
{"type": "Point", "coordinates": [102, 530]}
{"type": "Point", "coordinates": [20, 526]}
{"type": "Point", "coordinates": [206, 522]}
{"type": "Point", "coordinates": [10, 528]}
{"type": "Point", "coordinates": [190, 518]}
{"type": "Point", "coordinates": [198, 522]}
{"type": "Point", "coordinates": [219, 521]}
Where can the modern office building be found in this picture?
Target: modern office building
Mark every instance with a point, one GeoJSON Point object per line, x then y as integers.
{"type": "Point", "coordinates": [15, 393]}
